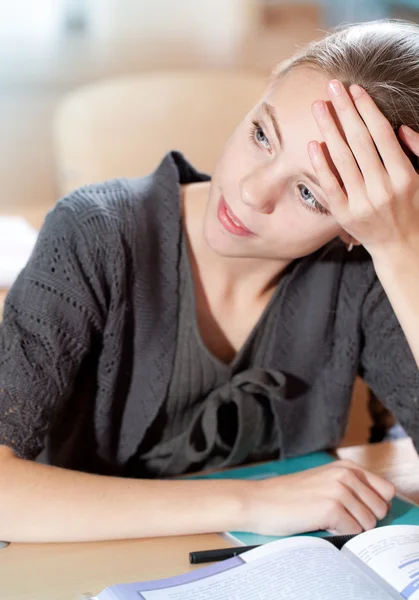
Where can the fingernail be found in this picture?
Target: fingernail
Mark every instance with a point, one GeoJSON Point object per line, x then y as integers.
{"type": "Point", "coordinates": [356, 90]}
{"type": "Point", "coordinates": [336, 88]}
{"type": "Point", "coordinates": [409, 132]}
{"type": "Point", "coordinates": [313, 151]}
{"type": "Point", "coordinates": [319, 108]}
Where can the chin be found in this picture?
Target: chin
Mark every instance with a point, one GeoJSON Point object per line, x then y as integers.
{"type": "Point", "coordinates": [223, 245]}
{"type": "Point", "coordinates": [219, 242]}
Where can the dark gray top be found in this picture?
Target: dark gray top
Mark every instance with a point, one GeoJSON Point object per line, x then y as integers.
{"type": "Point", "coordinates": [88, 340]}
{"type": "Point", "coordinates": [201, 425]}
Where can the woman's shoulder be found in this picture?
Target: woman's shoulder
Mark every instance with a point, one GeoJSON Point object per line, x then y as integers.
{"type": "Point", "coordinates": [140, 204]}
{"type": "Point", "coordinates": [110, 205]}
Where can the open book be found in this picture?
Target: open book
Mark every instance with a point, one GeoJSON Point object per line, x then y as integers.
{"type": "Point", "coordinates": [376, 565]}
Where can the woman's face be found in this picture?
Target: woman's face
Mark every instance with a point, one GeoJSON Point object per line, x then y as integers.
{"type": "Point", "coordinates": [263, 202]}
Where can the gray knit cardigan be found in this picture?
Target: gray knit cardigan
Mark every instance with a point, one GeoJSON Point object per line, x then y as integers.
{"type": "Point", "coordinates": [89, 332]}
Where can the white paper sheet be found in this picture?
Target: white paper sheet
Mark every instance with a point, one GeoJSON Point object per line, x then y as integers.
{"type": "Point", "coordinates": [17, 240]}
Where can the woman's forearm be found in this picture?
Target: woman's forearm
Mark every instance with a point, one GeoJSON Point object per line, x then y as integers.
{"type": "Point", "coordinates": [398, 271]}
{"type": "Point", "coordinates": [39, 503]}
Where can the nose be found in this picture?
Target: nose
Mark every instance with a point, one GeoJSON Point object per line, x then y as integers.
{"type": "Point", "coordinates": [257, 201]}
{"type": "Point", "coordinates": [260, 193]}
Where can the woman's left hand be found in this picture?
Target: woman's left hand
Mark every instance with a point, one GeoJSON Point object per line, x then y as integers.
{"type": "Point", "coordinates": [379, 203]}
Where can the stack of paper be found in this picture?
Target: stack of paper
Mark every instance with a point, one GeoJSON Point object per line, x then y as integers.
{"type": "Point", "coordinates": [17, 240]}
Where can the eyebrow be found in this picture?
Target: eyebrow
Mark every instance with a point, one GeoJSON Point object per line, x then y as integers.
{"type": "Point", "coordinates": [269, 110]}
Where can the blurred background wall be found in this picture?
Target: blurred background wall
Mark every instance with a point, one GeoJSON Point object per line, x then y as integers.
{"type": "Point", "coordinates": [48, 47]}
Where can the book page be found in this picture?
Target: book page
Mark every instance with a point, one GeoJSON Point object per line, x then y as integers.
{"type": "Point", "coordinates": [304, 568]}
{"type": "Point", "coordinates": [393, 553]}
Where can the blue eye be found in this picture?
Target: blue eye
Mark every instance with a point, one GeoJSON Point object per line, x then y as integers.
{"type": "Point", "coordinates": [307, 196]}
{"type": "Point", "coordinates": [309, 201]}
{"type": "Point", "coordinates": [258, 137]}
{"type": "Point", "coordinates": [261, 137]}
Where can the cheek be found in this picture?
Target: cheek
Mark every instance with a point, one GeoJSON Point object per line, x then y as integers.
{"type": "Point", "coordinates": [299, 227]}
{"type": "Point", "coordinates": [236, 159]}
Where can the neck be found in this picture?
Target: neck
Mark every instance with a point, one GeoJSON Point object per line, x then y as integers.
{"type": "Point", "coordinates": [232, 276]}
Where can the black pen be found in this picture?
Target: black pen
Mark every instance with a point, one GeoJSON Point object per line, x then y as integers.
{"type": "Point", "coordinates": [205, 556]}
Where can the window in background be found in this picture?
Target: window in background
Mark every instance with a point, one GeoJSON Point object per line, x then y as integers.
{"type": "Point", "coordinates": [29, 21]}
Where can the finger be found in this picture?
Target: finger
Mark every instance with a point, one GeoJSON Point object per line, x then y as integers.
{"type": "Point", "coordinates": [358, 509]}
{"type": "Point", "coordinates": [340, 153]}
{"type": "Point", "coordinates": [410, 138]}
{"type": "Point", "coordinates": [358, 137]}
{"type": "Point", "coordinates": [339, 521]}
{"type": "Point", "coordinates": [336, 198]}
{"type": "Point", "coordinates": [381, 486]}
{"type": "Point", "coordinates": [385, 489]}
{"type": "Point", "coordinates": [367, 495]}
{"type": "Point", "coordinates": [394, 159]}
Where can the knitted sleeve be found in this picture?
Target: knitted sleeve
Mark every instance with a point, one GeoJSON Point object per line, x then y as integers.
{"type": "Point", "coordinates": [51, 314]}
{"type": "Point", "coordinates": [387, 363]}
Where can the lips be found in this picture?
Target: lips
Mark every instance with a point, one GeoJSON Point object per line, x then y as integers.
{"type": "Point", "coordinates": [229, 220]}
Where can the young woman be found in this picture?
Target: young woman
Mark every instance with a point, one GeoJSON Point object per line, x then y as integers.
{"type": "Point", "coordinates": [174, 323]}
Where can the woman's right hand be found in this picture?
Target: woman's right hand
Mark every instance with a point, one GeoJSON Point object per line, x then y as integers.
{"type": "Point", "coordinates": [340, 497]}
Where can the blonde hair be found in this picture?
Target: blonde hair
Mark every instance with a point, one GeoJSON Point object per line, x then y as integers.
{"type": "Point", "coordinates": [382, 56]}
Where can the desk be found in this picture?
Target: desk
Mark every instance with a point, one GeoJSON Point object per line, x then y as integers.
{"type": "Point", "coordinates": [61, 571]}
